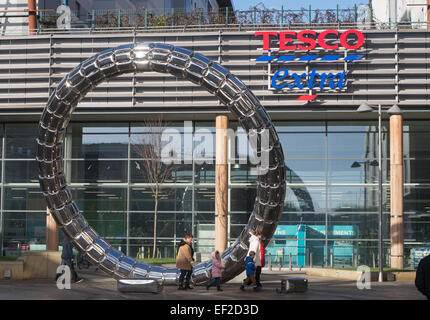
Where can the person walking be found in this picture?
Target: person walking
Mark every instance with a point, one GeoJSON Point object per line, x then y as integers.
{"type": "Point", "coordinates": [217, 267]}
{"type": "Point", "coordinates": [256, 245]}
{"type": "Point", "coordinates": [250, 272]}
{"type": "Point", "coordinates": [67, 259]}
{"type": "Point", "coordinates": [184, 261]}
{"type": "Point", "coordinates": [422, 278]}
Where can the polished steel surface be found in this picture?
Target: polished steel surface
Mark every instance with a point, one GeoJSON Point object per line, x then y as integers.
{"type": "Point", "coordinates": [133, 285]}
{"type": "Point", "coordinates": [184, 64]}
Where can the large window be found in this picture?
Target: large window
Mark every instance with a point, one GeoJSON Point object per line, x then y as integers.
{"type": "Point", "coordinates": [416, 157]}
{"type": "Point", "coordinates": [332, 193]}
{"type": "Point", "coordinates": [331, 205]}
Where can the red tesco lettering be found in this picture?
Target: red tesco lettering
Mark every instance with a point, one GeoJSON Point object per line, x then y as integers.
{"type": "Point", "coordinates": [308, 39]}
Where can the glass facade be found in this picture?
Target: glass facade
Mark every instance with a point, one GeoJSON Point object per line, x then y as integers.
{"type": "Point", "coordinates": [331, 207]}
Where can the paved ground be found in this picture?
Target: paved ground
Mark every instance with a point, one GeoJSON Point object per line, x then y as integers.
{"type": "Point", "coordinates": [99, 287]}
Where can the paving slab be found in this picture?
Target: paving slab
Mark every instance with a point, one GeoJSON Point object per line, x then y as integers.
{"type": "Point", "coordinates": [98, 286]}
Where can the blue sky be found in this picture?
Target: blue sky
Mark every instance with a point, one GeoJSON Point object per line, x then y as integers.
{"type": "Point", "coordinates": [297, 4]}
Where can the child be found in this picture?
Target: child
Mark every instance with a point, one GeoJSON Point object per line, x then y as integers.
{"type": "Point", "coordinates": [250, 271]}
{"type": "Point", "coordinates": [217, 267]}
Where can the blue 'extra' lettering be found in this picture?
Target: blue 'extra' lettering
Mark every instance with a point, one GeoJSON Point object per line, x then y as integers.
{"type": "Point", "coordinates": [281, 77]}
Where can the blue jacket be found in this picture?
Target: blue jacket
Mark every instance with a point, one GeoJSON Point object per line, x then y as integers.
{"type": "Point", "coordinates": [250, 266]}
{"type": "Point", "coordinates": [67, 253]}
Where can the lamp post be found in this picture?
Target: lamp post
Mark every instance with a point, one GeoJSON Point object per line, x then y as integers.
{"type": "Point", "coordinates": [365, 107]}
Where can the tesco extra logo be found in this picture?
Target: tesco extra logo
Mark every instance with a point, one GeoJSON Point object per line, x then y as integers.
{"type": "Point", "coordinates": [292, 48]}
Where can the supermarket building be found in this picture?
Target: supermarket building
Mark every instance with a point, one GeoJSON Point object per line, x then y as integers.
{"type": "Point", "coordinates": [331, 150]}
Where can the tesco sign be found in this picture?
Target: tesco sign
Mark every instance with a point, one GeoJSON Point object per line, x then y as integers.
{"type": "Point", "coordinates": [306, 40]}
{"type": "Point", "coordinates": [309, 39]}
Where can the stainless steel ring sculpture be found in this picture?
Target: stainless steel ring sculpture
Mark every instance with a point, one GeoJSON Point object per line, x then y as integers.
{"type": "Point", "coordinates": [184, 64]}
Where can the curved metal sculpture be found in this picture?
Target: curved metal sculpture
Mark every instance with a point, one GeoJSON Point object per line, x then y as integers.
{"type": "Point", "coordinates": [184, 64]}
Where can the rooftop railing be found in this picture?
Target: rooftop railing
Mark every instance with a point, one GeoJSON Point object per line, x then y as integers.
{"type": "Point", "coordinates": [223, 19]}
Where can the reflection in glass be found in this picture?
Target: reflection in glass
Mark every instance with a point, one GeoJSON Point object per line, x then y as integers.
{"type": "Point", "coordinates": [363, 226]}
{"type": "Point", "coordinates": [169, 138]}
{"type": "Point", "coordinates": [299, 126]}
{"type": "Point", "coordinates": [243, 173]}
{"type": "Point", "coordinates": [23, 231]}
{"type": "Point", "coordinates": [166, 247]}
{"type": "Point", "coordinates": [304, 199]}
{"type": "Point", "coordinates": [178, 173]}
{"type": "Point", "coordinates": [92, 141]}
{"type": "Point", "coordinates": [23, 198]}
{"type": "Point", "coordinates": [235, 231]}
{"type": "Point", "coordinates": [417, 200]}
{"type": "Point", "coordinates": [239, 218]}
{"type": "Point", "coordinates": [242, 199]}
{"type": "Point", "coordinates": [417, 226]}
{"type": "Point", "coordinates": [356, 199]}
{"type": "Point", "coordinates": [140, 127]}
{"type": "Point", "coordinates": [97, 170]}
{"type": "Point", "coordinates": [99, 199]}
{"type": "Point", "coordinates": [303, 145]}
{"type": "Point", "coordinates": [170, 199]}
{"type": "Point", "coordinates": [351, 172]}
{"type": "Point", "coordinates": [358, 145]}
{"type": "Point", "coordinates": [416, 171]}
{"type": "Point", "coordinates": [296, 218]}
{"type": "Point", "coordinates": [21, 171]}
{"type": "Point", "coordinates": [356, 126]}
{"type": "Point", "coordinates": [204, 173]}
{"type": "Point", "coordinates": [169, 224]}
{"type": "Point", "coordinates": [20, 140]}
{"type": "Point", "coordinates": [109, 224]}
{"type": "Point", "coordinates": [306, 171]}
{"type": "Point", "coordinates": [204, 198]}
{"type": "Point", "coordinates": [416, 145]}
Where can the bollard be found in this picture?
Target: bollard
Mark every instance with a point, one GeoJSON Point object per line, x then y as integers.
{"type": "Point", "coordinates": [270, 261]}
{"type": "Point", "coordinates": [291, 263]}
{"type": "Point", "coordinates": [310, 262]}
{"type": "Point", "coordinates": [331, 259]}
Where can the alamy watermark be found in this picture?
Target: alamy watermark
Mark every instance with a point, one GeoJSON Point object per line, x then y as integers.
{"type": "Point", "coordinates": [200, 146]}
{"type": "Point", "coordinates": [364, 280]}
{"type": "Point", "coordinates": [64, 280]}
{"type": "Point", "coordinates": [65, 17]}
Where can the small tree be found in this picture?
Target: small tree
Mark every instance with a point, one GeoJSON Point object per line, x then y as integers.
{"type": "Point", "coordinates": [149, 147]}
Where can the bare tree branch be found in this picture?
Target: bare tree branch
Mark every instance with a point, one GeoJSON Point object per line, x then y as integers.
{"type": "Point", "coordinates": [149, 146]}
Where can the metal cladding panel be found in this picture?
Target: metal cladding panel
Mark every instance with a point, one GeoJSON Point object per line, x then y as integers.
{"type": "Point", "coordinates": [394, 69]}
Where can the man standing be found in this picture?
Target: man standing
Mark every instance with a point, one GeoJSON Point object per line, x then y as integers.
{"type": "Point", "coordinates": [422, 279]}
{"type": "Point", "coordinates": [184, 261]}
{"type": "Point", "coordinates": [67, 259]}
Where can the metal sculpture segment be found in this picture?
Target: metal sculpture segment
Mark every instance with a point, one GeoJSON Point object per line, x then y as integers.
{"type": "Point", "coordinates": [184, 64]}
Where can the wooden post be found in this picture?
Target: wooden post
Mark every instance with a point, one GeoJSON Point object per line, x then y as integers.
{"type": "Point", "coordinates": [32, 20]}
{"type": "Point", "coordinates": [428, 14]}
{"type": "Point", "coordinates": [396, 166]}
{"type": "Point", "coordinates": [52, 236]}
{"type": "Point", "coordinates": [221, 184]}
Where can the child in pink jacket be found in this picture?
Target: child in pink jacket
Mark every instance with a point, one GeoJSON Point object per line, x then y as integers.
{"type": "Point", "coordinates": [217, 267]}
